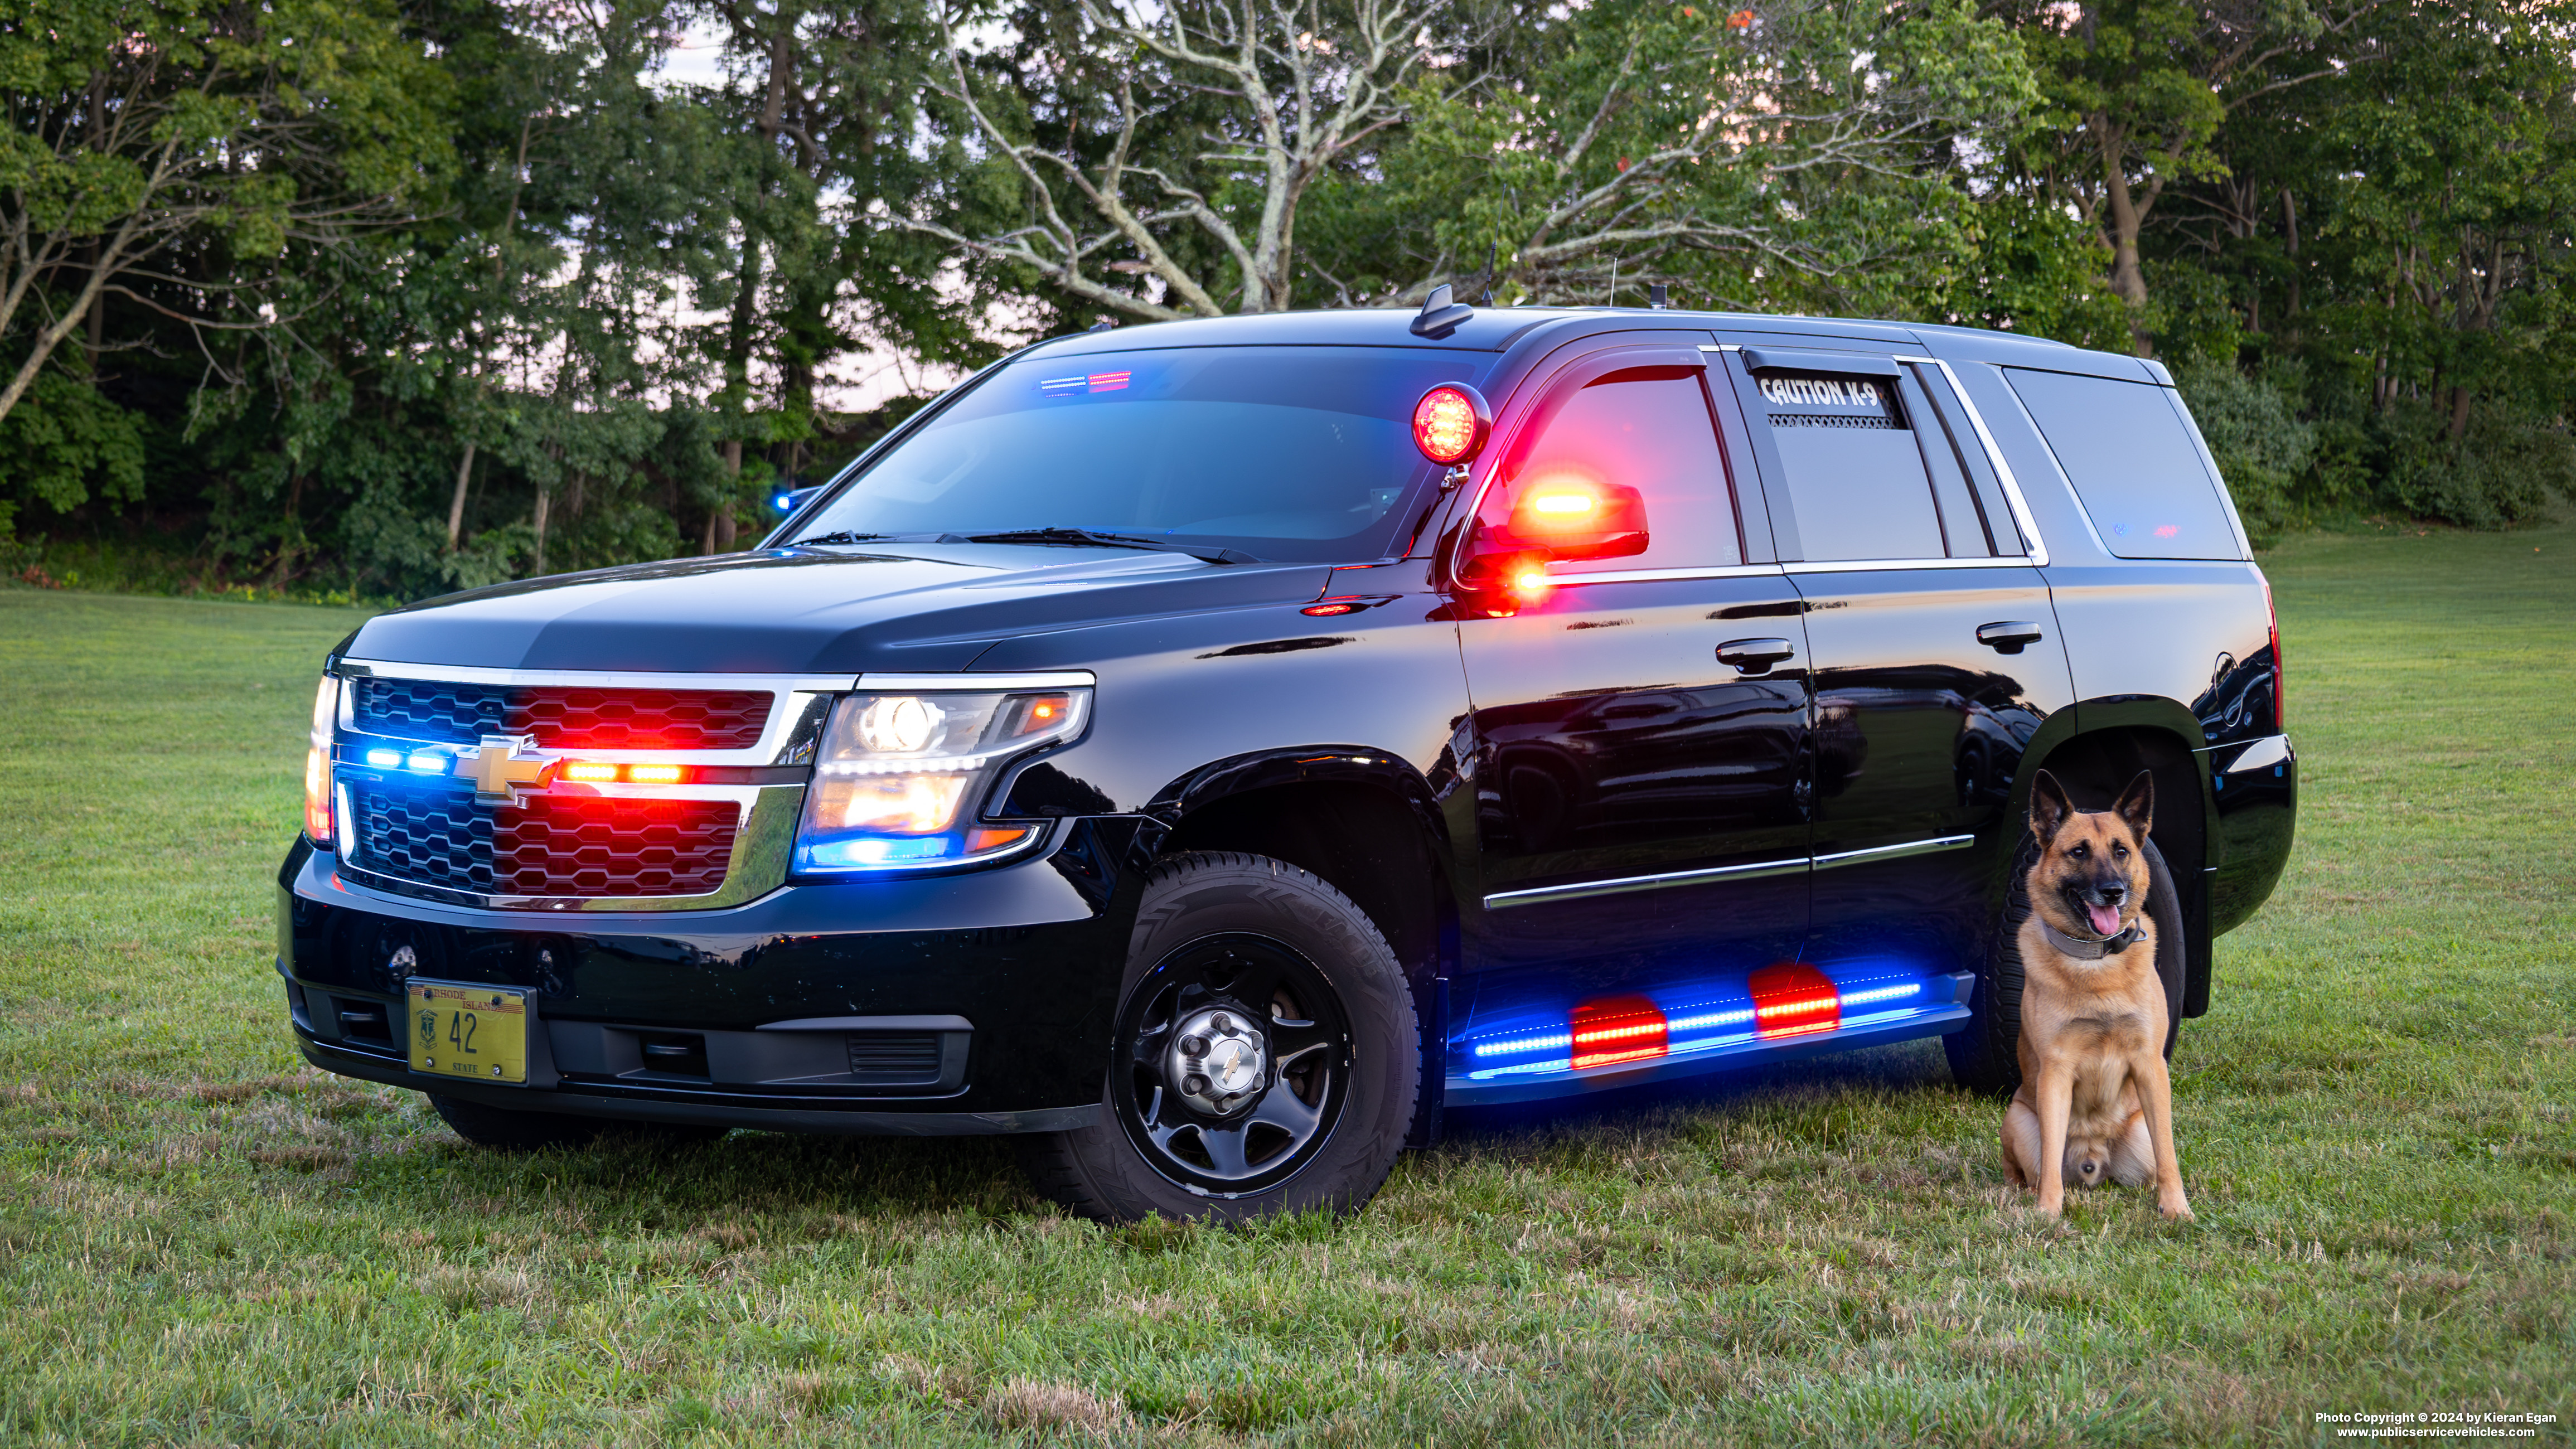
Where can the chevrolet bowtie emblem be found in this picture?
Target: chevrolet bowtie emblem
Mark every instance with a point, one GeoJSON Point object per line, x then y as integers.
{"type": "Point", "coordinates": [504, 768]}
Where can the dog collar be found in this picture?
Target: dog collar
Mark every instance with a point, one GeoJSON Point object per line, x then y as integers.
{"type": "Point", "coordinates": [2083, 950]}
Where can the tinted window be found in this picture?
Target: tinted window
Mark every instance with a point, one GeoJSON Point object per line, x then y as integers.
{"type": "Point", "coordinates": [2132, 461]}
{"type": "Point", "coordinates": [1855, 479]}
{"type": "Point", "coordinates": [1298, 453]}
{"type": "Point", "coordinates": [1970, 451]}
{"type": "Point", "coordinates": [1964, 524]}
{"type": "Point", "coordinates": [1647, 429]}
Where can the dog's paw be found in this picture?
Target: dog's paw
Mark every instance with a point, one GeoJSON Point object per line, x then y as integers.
{"type": "Point", "coordinates": [2176, 1211]}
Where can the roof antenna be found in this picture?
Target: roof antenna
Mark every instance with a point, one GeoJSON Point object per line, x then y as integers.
{"type": "Point", "coordinates": [1103, 325]}
{"type": "Point", "coordinates": [1439, 316]}
{"type": "Point", "coordinates": [1492, 251]}
{"type": "Point", "coordinates": [1657, 299]}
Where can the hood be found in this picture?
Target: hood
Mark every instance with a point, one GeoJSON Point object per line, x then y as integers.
{"type": "Point", "coordinates": [931, 607]}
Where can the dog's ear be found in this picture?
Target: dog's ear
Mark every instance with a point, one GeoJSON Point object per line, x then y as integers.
{"type": "Point", "coordinates": [2049, 807]}
{"type": "Point", "coordinates": [2138, 804]}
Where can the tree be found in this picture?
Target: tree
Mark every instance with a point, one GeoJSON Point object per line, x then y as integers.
{"type": "Point", "coordinates": [2144, 87]}
{"type": "Point", "coordinates": [1176, 143]}
{"type": "Point", "coordinates": [1798, 153]}
{"type": "Point", "coordinates": [143, 127]}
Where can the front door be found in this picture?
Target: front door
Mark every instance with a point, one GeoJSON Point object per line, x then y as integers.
{"type": "Point", "coordinates": [1639, 801]}
{"type": "Point", "coordinates": [1937, 655]}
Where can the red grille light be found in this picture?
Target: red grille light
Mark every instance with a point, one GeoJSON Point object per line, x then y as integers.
{"type": "Point", "coordinates": [1450, 423]}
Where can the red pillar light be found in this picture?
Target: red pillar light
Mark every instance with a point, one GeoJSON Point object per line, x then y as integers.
{"type": "Point", "coordinates": [1617, 1029]}
{"type": "Point", "coordinates": [1794, 999]}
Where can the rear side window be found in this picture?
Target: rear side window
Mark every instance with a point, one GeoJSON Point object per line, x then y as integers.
{"type": "Point", "coordinates": [2132, 460]}
{"type": "Point", "coordinates": [1646, 428]}
{"type": "Point", "coordinates": [1870, 472]}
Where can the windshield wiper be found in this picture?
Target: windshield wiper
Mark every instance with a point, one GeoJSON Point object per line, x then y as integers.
{"type": "Point", "coordinates": [842, 535]}
{"type": "Point", "coordinates": [1085, 536]}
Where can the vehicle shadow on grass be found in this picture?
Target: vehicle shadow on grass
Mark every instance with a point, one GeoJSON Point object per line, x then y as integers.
{"type": "Point", "coordinates": [630, 1178]}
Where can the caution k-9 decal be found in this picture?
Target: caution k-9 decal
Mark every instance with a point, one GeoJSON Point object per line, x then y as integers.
{"type": "Point", "coordinates": [1823, 392]}
{"type": "Point", "coordinates": [1828, 401]}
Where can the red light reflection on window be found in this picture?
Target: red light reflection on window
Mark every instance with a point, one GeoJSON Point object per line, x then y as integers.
{"type": "Point", "coordinates": [1793, 999]}
{"type": "Point", "coordinates": [1617, 1029]}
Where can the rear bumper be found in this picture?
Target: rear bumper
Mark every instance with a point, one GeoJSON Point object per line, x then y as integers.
{"type": "Point", "coordinates": [1012, 972]}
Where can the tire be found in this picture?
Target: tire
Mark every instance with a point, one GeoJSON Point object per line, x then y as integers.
{"type": "Point", "coordinates": [1252, 961]}
{"type": "Point", "coordinates": [1984, 1055]}
{"type": "Point", "coordinates": [510, 1129]}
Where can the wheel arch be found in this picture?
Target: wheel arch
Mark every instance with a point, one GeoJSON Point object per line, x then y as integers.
{"type": "Point", "coordinates": [2113, 742]}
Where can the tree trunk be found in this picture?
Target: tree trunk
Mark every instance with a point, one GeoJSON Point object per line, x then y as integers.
{"type": "Point", "coordinates": [2290, 224]}
{"type": "Point", "coordinates": [720, 529]}
{"type": "Point", "coordinates": [456, 506]}
{"type": "Point", "coordinates": [539, 565]}
{"type": "Point", "coordinates": [2459, 413]}
{"type": "Point", "coordinates": [2128, 278]}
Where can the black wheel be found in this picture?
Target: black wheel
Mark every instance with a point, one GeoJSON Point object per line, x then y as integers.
{"type": "Point", "coordinates": [1265, 1058]}
{"type": "Point", "coordinates": [510, 1129]}
{"type": "Point", "coordinates": [1983, 1054]}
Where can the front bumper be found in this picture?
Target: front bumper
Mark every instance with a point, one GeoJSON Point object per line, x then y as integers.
{"type": "Point", "coordinates": [1013, 971]}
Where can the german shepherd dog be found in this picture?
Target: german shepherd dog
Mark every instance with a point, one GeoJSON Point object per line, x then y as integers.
{"type": "Point", "coordinates": [2096, 1102]}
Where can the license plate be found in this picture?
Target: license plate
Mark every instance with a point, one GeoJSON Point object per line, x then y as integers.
{"type": "Point", "coordinates": [469, 1031]}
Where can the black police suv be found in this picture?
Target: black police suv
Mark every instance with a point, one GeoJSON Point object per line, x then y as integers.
{"type": "Point", "coordinates": [1210, 749]}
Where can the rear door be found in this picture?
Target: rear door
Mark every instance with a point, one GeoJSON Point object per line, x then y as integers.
{"type": "Point", "coordinates": [1639, 804]}
{"type": "Point", "coordinates": [1937, 655]}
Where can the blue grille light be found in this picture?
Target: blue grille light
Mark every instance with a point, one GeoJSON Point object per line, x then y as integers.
{"type": "Point", "coordinates": [385, 759]}
{"type": "Point", "coordinates": [871, 850]}
{"type": "Point", "coordinates": [428, 762]}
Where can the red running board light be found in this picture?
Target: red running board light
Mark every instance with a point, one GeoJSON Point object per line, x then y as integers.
{"type": "Point", "coordinates": [1617, 1029]}
{"type": "Point", "coordinates": [1793, 999]}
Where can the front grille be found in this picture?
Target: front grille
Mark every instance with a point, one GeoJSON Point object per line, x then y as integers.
{"type": "Point", "coordinates": [895, 1058]}
{"type": "Point", "coordinates": [549, 846]}
{"type": "Point", "coordinates": [562, 717]}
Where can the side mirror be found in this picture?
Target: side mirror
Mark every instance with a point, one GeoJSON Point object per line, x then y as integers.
{"type": "Point", "coordinates": [1555, 518]}
{"type": "Point", "coordinates": [1577, 518]}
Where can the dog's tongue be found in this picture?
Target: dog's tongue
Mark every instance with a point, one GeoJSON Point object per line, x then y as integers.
{"type": "Point", "coordinates": [2106, 919]}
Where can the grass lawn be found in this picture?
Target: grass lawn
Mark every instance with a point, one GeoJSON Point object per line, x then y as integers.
{"type": "Point", "coordinates": [203, 1242]}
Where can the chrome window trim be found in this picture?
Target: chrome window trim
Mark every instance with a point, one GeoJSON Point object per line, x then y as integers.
{"type": "Point", "coordinates": [2029, 526]}
{"type": "Point", "coordinates": [2013, 485]}
{"type": "Point", "coordinates": [1622, 885]}
{"type": "Point", "coordinates": [1753, 870]}
{"type": "Point", "coordinates": [798, 705]}
{"type": "Point", "coordinates": [1908, 848]}
{"type": "Point", "coordinates": [1853, 565]}
{"type": "Point", "coordinates": [1661, 576]}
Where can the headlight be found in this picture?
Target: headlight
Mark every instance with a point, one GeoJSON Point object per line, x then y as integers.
{"type": "Point", "coordinates": [317, 762]}
{"type": "Point", "coordinates": [901, 776]}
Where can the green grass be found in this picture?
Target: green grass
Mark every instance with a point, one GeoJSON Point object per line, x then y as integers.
{"type": "Point", "coordinates": [200, 1241]}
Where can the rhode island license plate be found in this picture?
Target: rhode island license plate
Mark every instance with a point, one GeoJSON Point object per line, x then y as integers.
{"type": "Point", "coordinates": [469, 1031]}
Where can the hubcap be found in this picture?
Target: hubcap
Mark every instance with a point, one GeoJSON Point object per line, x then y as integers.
{"type": "Point", "coordinates": [1217, 1062]}
{"type": "Point", "coordinates": [1235, 1065]}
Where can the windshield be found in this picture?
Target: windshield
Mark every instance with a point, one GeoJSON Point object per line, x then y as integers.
{"type": "Point", "coordinates": [1301, 454]}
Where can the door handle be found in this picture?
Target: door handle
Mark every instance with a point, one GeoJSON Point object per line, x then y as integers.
{"type": "Point", "coordinates": [1755, 656]}
{"type": "Point", "coordinates": [2007, 637]}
